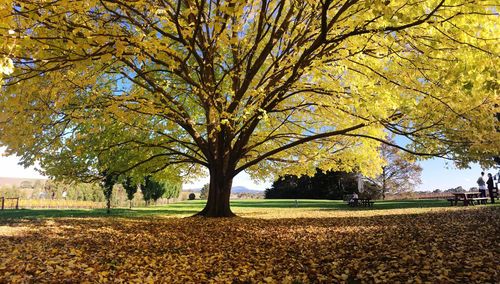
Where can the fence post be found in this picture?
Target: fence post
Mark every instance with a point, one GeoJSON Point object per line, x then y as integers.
{"type": "Point", "coordinates": [3, 200]}
{"type": "Point", "coordinates": [17, 203]}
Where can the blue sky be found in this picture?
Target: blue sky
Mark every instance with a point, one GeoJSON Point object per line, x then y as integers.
{"type": "Point", "coordinates": [437, 173]}
{"type": "Point", "coordinates": [441, 174]}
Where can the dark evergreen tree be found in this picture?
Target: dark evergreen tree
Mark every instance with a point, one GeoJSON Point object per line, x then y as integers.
{"type": "Point", "coordinates": [131, 188]}
{"type": "Point", "coordinates": [152, 189]}
{"type": "Point", "coordinates": [323, 185]}
{"type": "Point", "coordinates": [108, 181]}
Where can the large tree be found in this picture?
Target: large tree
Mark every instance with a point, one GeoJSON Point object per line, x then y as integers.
{"type": "Point", "coordinates": [259, 86]}
{"type": "Point", "coordinates": [399, 174]}
{"type": "Point", "coordinates": [497, 115]}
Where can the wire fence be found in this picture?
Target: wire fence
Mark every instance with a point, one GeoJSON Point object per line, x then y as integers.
{"type": "Point", "coordinates": [9, 203]}
{"type": "Point", "coordinates": [21, 203]}
{"type": "Point", "coordinates": [59, 204]}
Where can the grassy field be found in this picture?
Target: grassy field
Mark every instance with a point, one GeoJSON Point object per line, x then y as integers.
{"type": "Point", "coordinates": [275, 242]}
{"type": "Point", "coordinates": [245, 208]}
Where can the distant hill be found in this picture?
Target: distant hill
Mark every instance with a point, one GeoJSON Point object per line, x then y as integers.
{"type": "Point", "coordinates": [242, 189]}
{"type": "Point", "coordinates": [235, 189]}
{"type": "Point", "coordinates": [9, 181]}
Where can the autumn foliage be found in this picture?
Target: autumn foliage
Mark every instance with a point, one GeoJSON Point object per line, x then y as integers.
{"type": "Point", "coordinates": [452, 245]}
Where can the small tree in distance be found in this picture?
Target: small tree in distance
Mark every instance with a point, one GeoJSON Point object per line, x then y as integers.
{"type": "Point", "coordinates": [172, 190]}
{"type": "Point", "coordinates": [459, 189]}
{"type": "Point", "coordinates": [398, 175]}
{"type": "Point", "coordinates": [152, 189]}
{"type": "Point", "coordinates": [204, 191]}
{"type": "Point", "coordinates": [109, 180]}
{"type": "Point", "coordinates": [130, 188]}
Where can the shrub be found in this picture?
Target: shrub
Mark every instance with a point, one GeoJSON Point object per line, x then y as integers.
{"type": "Point", "coordinates": [192, 196]}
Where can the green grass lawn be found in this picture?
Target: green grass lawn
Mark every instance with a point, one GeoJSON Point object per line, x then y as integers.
{"type": "Point", "coordinates": [245, 208]}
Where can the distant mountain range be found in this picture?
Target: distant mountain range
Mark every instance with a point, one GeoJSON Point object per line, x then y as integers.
{"type": "Point", "coordinates": [242, 189]}
{"type": "Point", "coordinates": [10, 181]}
{"type": "Point", "coordinates": [235, 189]}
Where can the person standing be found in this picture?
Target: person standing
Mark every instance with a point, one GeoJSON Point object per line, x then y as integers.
{"type": "Point", "coordinates": [491, 186]}
{"type": "Point", "coordinates": [354, 199]}
{"type": "Point", "coordinates": [482, 185]}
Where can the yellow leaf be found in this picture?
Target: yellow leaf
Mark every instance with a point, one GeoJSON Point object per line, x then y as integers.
{"type": "Point", "coordinates": [106, 57]}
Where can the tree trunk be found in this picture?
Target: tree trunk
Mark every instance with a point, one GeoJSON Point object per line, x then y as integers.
{"type": "Point", "coordinates": [130, 204]}
{"type": "Point", "coordinates": [384, 183]}
{"type": "Point", "coordinates": [108, 205]}
{"type": "Point", "coordinates": [219, 192]}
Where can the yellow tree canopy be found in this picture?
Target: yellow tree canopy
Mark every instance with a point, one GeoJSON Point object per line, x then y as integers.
{"type": "Point", "coordinates": [262, 86]}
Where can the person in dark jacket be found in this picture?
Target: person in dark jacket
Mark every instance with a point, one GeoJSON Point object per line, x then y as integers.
{"type": "Point", "coordinates": [491, 186]}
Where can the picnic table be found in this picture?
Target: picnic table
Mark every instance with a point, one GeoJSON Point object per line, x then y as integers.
{"type": "Point", "coordinates": [357, 202]}
{"type": "Point", "coordinates": [468, 198]}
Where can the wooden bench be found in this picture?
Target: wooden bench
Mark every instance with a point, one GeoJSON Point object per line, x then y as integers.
{"type": "Point", "coordinates": [470, 201]}
{"type": "Point", "coordinates": [367, 203]}
{"type": "Point", "coordinates": [361, 202]}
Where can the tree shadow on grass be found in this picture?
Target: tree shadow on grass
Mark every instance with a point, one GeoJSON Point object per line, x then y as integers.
{"type": "Point", "coordinates": [410, 204]}
{"type": "Point", "coordinates": [91, 213]}
{"type": "Point", "coordinates": [282, 203]}
{"type": "Point", "coordinates": [339, 205]}
{"type": "Point", "coordinates": [404, 204]}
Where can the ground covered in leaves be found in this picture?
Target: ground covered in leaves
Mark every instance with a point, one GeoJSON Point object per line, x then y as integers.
{"type": "Point", "coordinates": [448, 245]}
